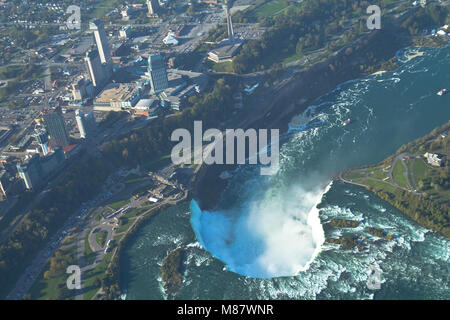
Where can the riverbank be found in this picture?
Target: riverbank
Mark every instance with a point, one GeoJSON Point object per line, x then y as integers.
{"type": "Point", "coordinates": [285, 100]}
{"type": "Point", "coordinates": [277, 106]}
{"type": "Point", "coordinates": [112, 279]}
{"type": "Point", "coordinates": [112, 290]}
{"type": "Point", "coordinates": [407, 181]}
{"type": "Point", "coordinates": [326, 146]}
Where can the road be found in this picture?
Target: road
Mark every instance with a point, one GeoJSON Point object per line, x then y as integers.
{"type": "Point", "coordinates": [35, 268]}
{"type": "Point", "coordinates": [38, 264]}
{"type": "Point", "coordinates": [391, 181]}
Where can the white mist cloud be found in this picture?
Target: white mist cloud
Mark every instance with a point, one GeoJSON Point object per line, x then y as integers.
{"type": "Point", "coordinates": [278, 235]}
{"type": "Point", "coordinates": [290, 234]}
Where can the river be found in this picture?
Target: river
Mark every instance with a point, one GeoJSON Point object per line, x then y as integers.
{"type": "Point", "coordinates": [266, 238]}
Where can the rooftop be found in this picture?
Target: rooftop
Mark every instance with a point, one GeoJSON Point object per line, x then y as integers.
{"type": "Point", "coordinates": [144, 104]}
{"type": "Point", "coordinates": [181, 81]}
{"type": "Point", "coordinates": [224, 51]}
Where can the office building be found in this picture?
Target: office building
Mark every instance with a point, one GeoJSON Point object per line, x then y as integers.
{"type": "Point", "coordinates": [52, 162]}
{"type": "Point", "coordinates": [42, 139]}
{"type": "Point", "coordinates": [153, 7]}
{"type": "Point", "coordinates": [8, 182]}
{"type": "Point", "coordinates": [225, 52]}
{"type": "Point", "coordinates": [82, 88]}
{"type": "Point", "coordinates": [36, 170]}
{"type": "Point", "coordinates": [182, 85]}
{"type": "Point", "coordinates": [95, 68]}
{"type": "Point", "coordinates": [86, 123]}
{"type": "Point", "coordinates": [103, 50]}
{"type": "Point", "coordinates": [56, 128]}
{"type": "Point", "coordinates": [147, 108]}
{"type": "Point", "coordinates": [101, 40]}
{"type": "Point", "coordinates": [157, 73]}
{"type": "Point", "coordinates": [30, 171]}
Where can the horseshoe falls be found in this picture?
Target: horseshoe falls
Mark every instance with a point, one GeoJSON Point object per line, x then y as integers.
{"type": "Point", "coordinates": [266, 237]}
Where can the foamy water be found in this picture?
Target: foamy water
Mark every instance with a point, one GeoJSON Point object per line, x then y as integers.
{"type": "Point", "coordinates": [278, 236]}
{"type": "Point", "coordinates": [265, 240]}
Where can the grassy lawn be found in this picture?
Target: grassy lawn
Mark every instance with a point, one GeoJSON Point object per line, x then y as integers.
{"type": "Point", "coordinates": [133, 178]}
{"type": "Point", "coordinates": [48, 289]}
{"type": "Point", "coordinates": [136, 212]}
{"type": "Point", "coordinates": [275, 57]}
{"type": "Point", "coordinates": [103, 213]}
{"type": "Point", "coordinates": [118, 204]}
{"type": "Point", "coordinates": [100, 237]}
{"type": "Point", "coordinates": [101, 8]}
{"type": "Point", "coordinates": [91, 285]}
{"type": "Point", "coordinates": [292, 58]}
{"type": "Point", "coordinates": [89, 255]}
{"type": "Point", "coordinates": [398, 175]}
{"type": "Point", "coordinates": [223, 66]}
{"type": "Point", "coordinates": [379, 184]}
{"type": "Point", "coordinates": [118, 237]}
{"type": "Point", "coordinates": [126, 225]}
{"type": "Point", "coordinates": [10, 72]}
{"type": "Point", "coordinates": [355, 175]}
{"type": "Point", "coordinates": [158, 164]}
{"type": "Point", "coordinates": [270, 8]}
{"type": "Point", "coordinates": [420, 169]}
{"type": "Point", "coordinates": [142, 189]}
{"type": "Point", "coordinates": [378, 174]}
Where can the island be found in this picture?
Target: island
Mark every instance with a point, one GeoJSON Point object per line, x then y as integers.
{"type": "Point", "coordinates": [415, 180]}
{"type": "Point", "coordinates": [171, 272]}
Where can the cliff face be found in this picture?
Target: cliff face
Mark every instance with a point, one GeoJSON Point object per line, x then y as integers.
{"type": "Point", "coordinates": [281, 103]}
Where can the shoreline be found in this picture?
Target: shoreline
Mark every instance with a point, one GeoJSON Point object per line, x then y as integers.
{"type": "Point", "coordinates": [391, 191]}
{"type": "Point", "coordinates": [390, 203]}
{"type": "Point", "coordinates": [209, 175]}
{"type": "Point", "coordinates": [115, 264]}
{"type": "Point", "coordinates": [298, 94]}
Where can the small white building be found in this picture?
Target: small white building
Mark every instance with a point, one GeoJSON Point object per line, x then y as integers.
{"type": "Point", "coordinates": [433, 159]}
{"type": "Point", "coordinates": [170, 39]}
{"type": "Point", "coordinates": [125, 32]}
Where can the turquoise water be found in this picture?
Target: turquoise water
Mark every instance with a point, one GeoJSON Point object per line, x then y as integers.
{"type": "Point", "coordinates": [266, 238]}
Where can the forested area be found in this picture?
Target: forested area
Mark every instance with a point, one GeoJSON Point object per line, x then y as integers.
{"type": "Point", "coordinates": [428, 17]}
{"type": "Point", "coordinates": [78, 184]}
{"type": "Point", "coordinates": [18, 74]}
{"type": "Point", "coordinates": [315, 24]}
{"type": "Point", "coordinates": [328, 24]}
{"type": "Point", "coordinates": [85, 179]}
{"type": "Point", "coordinates": [153, 141]}
{"type": "Point", "coordinates": [431, 208]}
{"type": "Point", "coordinates": [425, 212]}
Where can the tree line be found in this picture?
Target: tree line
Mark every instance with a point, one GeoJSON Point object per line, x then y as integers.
{"type": "Point", "coordinates": [153, 141]}
{"type": "Point", "coordinates": [317, 24]}
{"type": "Point", "coordinates": [84, 180]}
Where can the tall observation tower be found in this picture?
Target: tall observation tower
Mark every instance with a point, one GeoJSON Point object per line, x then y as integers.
{"type": "Point", "coordinates": [229, 22]}
{"type": "Point", "coordinates": [226, 49]}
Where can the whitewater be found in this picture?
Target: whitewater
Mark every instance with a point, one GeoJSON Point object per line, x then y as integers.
{"type": "Point", "coordinates": [276, 236]}
{"type": "Point", "coordinates": [266, 237]}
